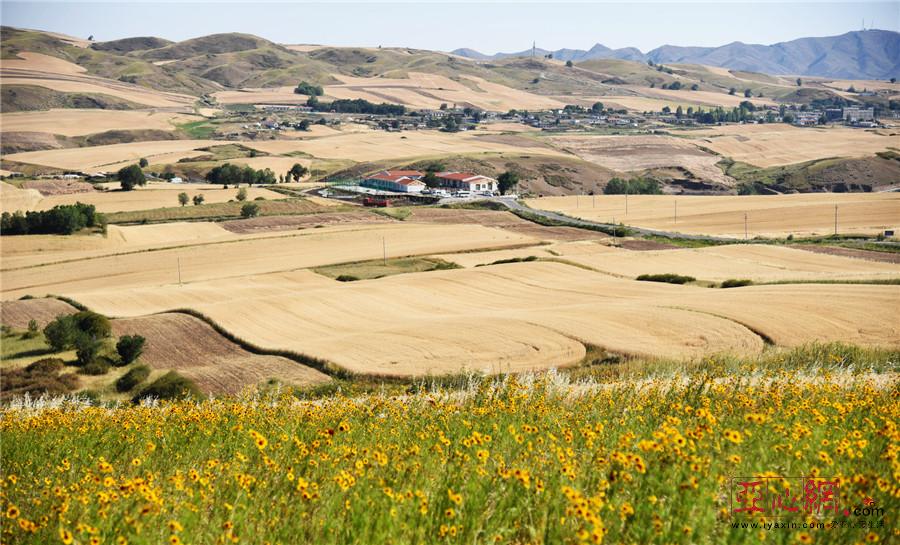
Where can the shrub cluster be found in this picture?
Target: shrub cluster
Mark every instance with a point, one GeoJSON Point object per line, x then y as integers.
{"type": "Point", "coordinates": [132, 378]}
{"type": "Point", "coordinates": [736, 283]}
{"type": "Point", "coordinates": [309, 89]}
{"type": "Point", "coordinates": [634, 186]}
{"type": "Point", "coordinates": [39, 378]}
{"type": "Point", "coordinates": [669, 278]}
{"type": "Point", "coordinates": [169, 386]}
{"type": "Point", "coordinates": [62, 219]}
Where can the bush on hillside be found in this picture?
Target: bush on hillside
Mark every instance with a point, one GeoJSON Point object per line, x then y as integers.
{"type": "Point", "coordinates": [169, 386]}
{"type": "Point", "coordinates": [668, 278]}
{"type": "Point", "coordinates": [132, 378]}
{"type": "Point", "coordinates": [129, 348]}
{"type": "Point", "coordinates": [736, 283]}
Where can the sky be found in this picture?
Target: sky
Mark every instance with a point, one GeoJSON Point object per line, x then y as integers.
{"type": "Point", "coordinates": [487, 26]}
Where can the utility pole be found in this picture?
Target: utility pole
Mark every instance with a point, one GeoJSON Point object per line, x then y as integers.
{"type": "Point", "coordinates": [179, 270]}
{"type": "Point", "coordinates": [745, 226]}
{"type": "Point", "coordinates": [626, 204]}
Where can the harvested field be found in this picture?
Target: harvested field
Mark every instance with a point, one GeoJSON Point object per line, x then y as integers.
{"type": "Point", "coordinates": [195, 350]}
{"type": "Point", "coordinates": [767, 216]}
{"type": "Point", "coordinates": [512, 317]}
{"type": "Point", "coordinates": [705, 98]}
{"type": "Point", "coordinates": [774, 144]}
{"type": "Point", "coordinates": [95, 86]}
{"type": "Point", "coordinates": [884, 257]}
{"type": "Point", "coordinates": [167, 234]}
{"type": "Point", "coordinates": [109, 158]}
{"type": "Point", "coordinates": [760, 263]}
{"type": "Point", "coordinates": [17, 314]}
{"type": "Point", "coordinates": [286, 223]}
{"type": "Point", "coordinates": [73, 122]}
{"type": "Point", "coordinates": [631, 153]}
{"type": "Point", "coordinates": [377, 146]}
{"type": "Point", "coordinates": [257, 255]}
{"type": "Point", "coordinates": [39, 62]}
{"type": "Point", "coordinates": [418, 90]}
{"type": "Point", "coordinates": [505, 220]}
{"type": "Point", "coordinates": [58, 187]}
{"type": "Point", "coordinates": [215, 211]}
{"type": "Point", "coordinates": [13, 198]}
{"type": "Point", "coordinates": [158, 195]}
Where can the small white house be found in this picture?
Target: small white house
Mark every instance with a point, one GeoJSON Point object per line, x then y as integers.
{"type": "Point", "coordinates": [176, 180]}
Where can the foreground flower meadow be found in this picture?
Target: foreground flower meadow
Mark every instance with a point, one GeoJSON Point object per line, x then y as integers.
{"type": "Point", "coordinates": [535, 459]}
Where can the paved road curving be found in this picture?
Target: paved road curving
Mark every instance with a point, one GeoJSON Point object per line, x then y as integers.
{"type": "Point", "coordinates": [513, 204]}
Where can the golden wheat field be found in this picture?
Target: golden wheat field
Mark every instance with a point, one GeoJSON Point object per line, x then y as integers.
{"type": "Point", "coordinates": [154, 195]}
{"type": "Point", "coordinates": [634, 153]}
{"type": "Point", "coordinates": [250, 255]}
{"type": "Point", "coordinates": [767, 216]}
{"type": "Point", "coordinates": [760, 263]}
{"type": "Point", "coordinates": [775, 144]}
{"type": "Point", "coordinates": [506, 317]}
{"type": "Point", "coordinates": [112, 156]}
{"type": "Point", "coordinates": [74, 122]}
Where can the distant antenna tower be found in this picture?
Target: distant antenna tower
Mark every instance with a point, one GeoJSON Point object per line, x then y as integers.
{"type": "Point", "coordinates": [533, 48]}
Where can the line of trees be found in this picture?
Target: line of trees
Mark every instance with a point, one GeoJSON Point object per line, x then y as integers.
{"type": "Point", "coordinates": [63, 219]}
{"type": "Point", "coordinates": [234, 174]}
{"type": "Point", "coordinates": [304, 88]}
{"type": "Point", "coordinates": [356, 106]}
{"type": "Point", "coordinates": [634, 186]}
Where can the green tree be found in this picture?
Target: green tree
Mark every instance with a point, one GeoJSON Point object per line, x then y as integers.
{"type": "Point", "coordinates": [242, 194]}
{"type": "Point", "coordinates": [695, 87]}
{"type": "Point", "coordinates": [131, 176]}
{"type": "Point", "coordinates": [748, 93]}
{"type": "Point", "coordinates": [32, 330]}
{"type": "Point", "coordinates": [86, 348]}
{"type": "Point", "coordinates": [183, 198]}
{"type": "Point", "coordinates": [60, 333]}
{"type": "Point", "coordinates": [430, 179]}
{"type": "Point", "coordinates": [507, 181]}
{"type": "Point", "coordinates": [732, 91]}
{"type": "Point", "coordinates": [130, 348]}
{"type": "Point", "coordinates": [298, 171]}
{"type": "Point", "coordinates": [304, 88]}
{"type": "Point", "coordinates": [569, 64]}
{"type": "Point", "coordinates": [799, 82]}
{"type": "Point", "coordinates": [249, 210]}
{"type": "Point", "coordinates": [95, 325]}
{"type": "Point", "coordinates": [143, 162]}
{"type": "Point", "coordinates": [198, 200]}
{"type": "Point", "coordinates": [597, 107]}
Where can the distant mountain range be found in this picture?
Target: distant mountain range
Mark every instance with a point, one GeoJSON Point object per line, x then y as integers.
{"type": "Point", "coordinates": [864, 54]}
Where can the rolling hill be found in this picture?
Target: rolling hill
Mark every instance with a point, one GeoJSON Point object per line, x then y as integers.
{"type": "Point", "coordinates": [856, 55]}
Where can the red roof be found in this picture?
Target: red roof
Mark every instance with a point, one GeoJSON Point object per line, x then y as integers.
{"type": "Point", "coordinates": [402, 172]}
{"type": "Point", "coordinates": [402, 180]}
{"type": "Point", "coordinates": [461, 176]}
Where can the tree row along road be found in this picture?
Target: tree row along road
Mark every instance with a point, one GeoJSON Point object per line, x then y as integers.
{"type": "Point", "coordinates": [513, 204]}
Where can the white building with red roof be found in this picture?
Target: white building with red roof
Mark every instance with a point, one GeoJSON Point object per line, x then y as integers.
{"type": "Point", "coordinates": [467, 181]}
{"type": "Point", "coordinates": [400, 181]}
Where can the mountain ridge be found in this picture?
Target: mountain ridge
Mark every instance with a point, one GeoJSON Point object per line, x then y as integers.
{"type": "Point", "coordinates": [860, 54]}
